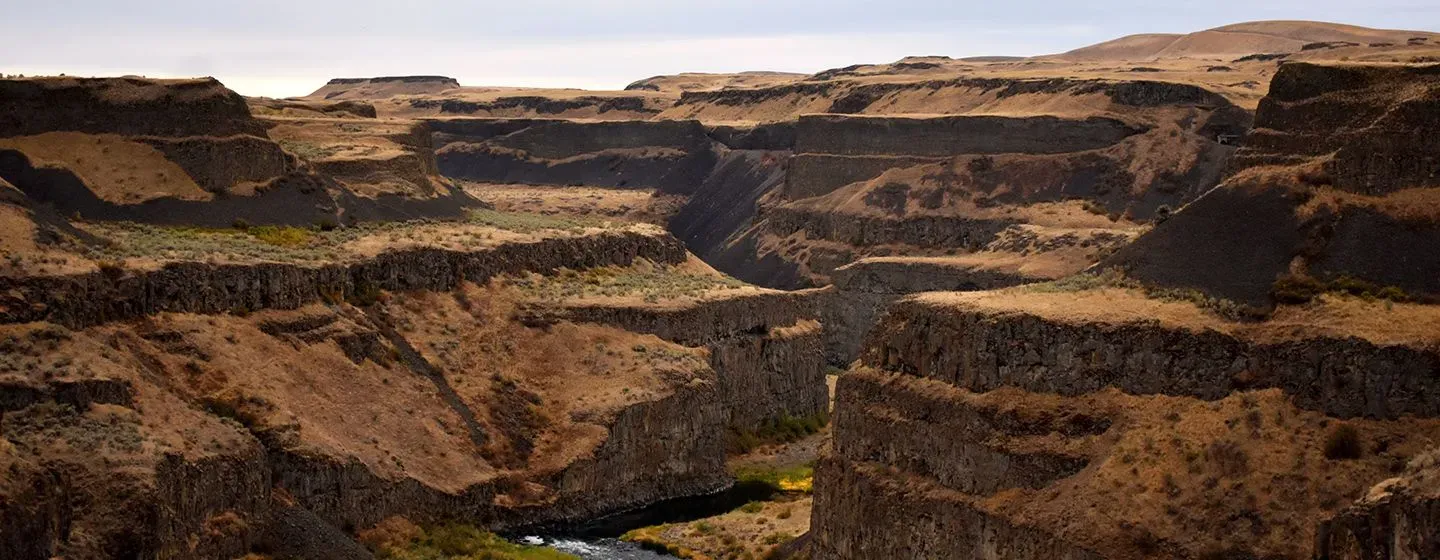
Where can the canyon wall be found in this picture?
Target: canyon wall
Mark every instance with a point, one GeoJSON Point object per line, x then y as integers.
{"type": "Point", "coordinates": [765, 348]}
{"type": "Point", "coordinates": [974, 348]}
{"type": "Point", "coordinates": [951, 135]}
{"type": "Point", "coordinates": [1330, 182]}
{"type": "Point", "coordinates": [672, 156]}
{"type": "Point", "coordinates": [94, 298]}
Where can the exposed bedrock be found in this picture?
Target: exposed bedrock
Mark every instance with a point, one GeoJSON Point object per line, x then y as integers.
{"type": "Point", "coordinates": [1399, 519]}
{"type": "Point", "coordinates": [300, 197]}
{"type": "Point", "coordinates": [858, 97]}
{"type": "Point", "coordinates": [913, 460]}
{"type": "Point", "coordinates": [939, 136]}
{"type": "Point", "coordinates": [765, 348]}
{"type": "Point", "coordinates": [1336, 181]}
{"type": "Point", "coordinates": [851, 495]}
{"type": "Point", "coordinates": [862, 291]}
{"type": "Point", "coordinates": [88, 299]}
{"type": "Point", "coordinates": [673, 156]}
{"type": "Point", "coordinates": [814, 175]}
{"type": "Point", "coordinates": [276, 500]}
{"type": "Point", "coordinates": [760, 136]}
{"type": "Point", "coordinates": [982, 350]}
{"type": "Point", "coordinates": [1373, 124]}
{"type": "Point", "coordinates": [724, 205]}
{"type": "Point", "coordinates": [126, 106]}
{"type": "Point", "coordinates": [957, 232]}
{"type": "Point", "coordinates": [655, 450]}
{"type": "Point", "coordinates": [519, 105]}
{"type": "Point", "coordinates": [219, 163]}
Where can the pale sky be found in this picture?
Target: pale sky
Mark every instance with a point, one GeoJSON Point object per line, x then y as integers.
{"type": "Point", "coordinates": [289, 48]}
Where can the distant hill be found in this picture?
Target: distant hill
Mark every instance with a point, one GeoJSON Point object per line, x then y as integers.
{"type": "Point", "coordinates": [1240, 39]}
{"type": "Point", "coordinates": [380, 88]}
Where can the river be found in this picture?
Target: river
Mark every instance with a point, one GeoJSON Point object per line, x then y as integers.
{"type": "Point", "coordinates": [598, 539]}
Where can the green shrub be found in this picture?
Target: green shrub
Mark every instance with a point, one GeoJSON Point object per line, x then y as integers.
{"type": "Point", "coordinates": [1343, 442]}
{"type": "Point", "coordinates": [782, 429]}
{"type": "Point", "coordinates": [282, 236]}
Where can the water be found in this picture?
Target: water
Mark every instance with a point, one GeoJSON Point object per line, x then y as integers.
{"type": "Point", "coordinates": [598, 539]}
{"type": "Point", "coordinates": [602, 549]}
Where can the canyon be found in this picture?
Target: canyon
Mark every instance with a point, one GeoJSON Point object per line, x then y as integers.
{"type": "Point", "coordinates": [1170, 296]}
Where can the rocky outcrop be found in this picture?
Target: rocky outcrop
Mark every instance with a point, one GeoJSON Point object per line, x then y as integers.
{"type": "Point", "coordinates": [765, 348]}
{"type": "Point", "coordinates": [296, 198]}
{"type": "Point", "coordinates": [952, 135]}
{"type": "Point", "coordinates": [89, 299]}
{"type": "Point", "coordinates": [125, 106]}
{"type": "Point", "coordinates": [957, 232]}
{"type": "Point", "coordinates": [814, 175]}
{"type": "Point", "coordinates": [904, 446]}
{"type": "Point", "coordinates": [525, 105]}
{"type": "Point", "coordinates": [1399, 519]}
{"type": "Point", "coordinates": [976, 348]}
{"type": "Point", "coordinates": [672, 156]}
{"type": "Point", "coordinates": [952, 527]}
{"type": "Point", "coordinates": [1334, 182]}
{"type": "Point", "coordinates": [1371, 124]}
{"type": "Point", "coordinates": [723, 207]}
{"type": "Point", "coordinates": [382, 87]}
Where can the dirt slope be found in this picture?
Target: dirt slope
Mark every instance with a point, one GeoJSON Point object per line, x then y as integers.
{"type": "Point", "coordinates": [1334, 186]}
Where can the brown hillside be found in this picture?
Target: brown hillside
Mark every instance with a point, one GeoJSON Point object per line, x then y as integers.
{"type": "Point", "coordinates": [1336, 185]}
{"type": "Point", "coordinates": [1241, 39]}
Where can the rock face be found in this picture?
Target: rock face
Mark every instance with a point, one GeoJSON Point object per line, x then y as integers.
{"type": "Point", "coordinates": [1124, 421]}
{"type": "Point", "coordinates": [127, 106]}
{"type": "Point", "coordinates": [953, 135]}
{"type": "Point", "coordinates": [184, 152]}
{"type": "Point", "coordinates": [370, 88]}
{"type": "Point", "coordinates": [672, 156]}
{"type": "Point", "coordinates": [1335, 180]}
{"type": "Point", "coordinates": [256, 463]}
{"type": "Point", "coordinates": [862, 185]}
{"type": "Point", "coordinates": [765, 348]}
{"type": "Point", "coordinates": [975, 348]}
{"type": "Point", "coordinates": [902, 448]}
{"type": "Point", "coordinates": [1396, 520]}
{"type": "Point", "coordinates": [98, 297]}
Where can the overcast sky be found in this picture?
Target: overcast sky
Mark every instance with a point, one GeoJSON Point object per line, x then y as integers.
{"type": "Point", "coordinates": [290, 47]}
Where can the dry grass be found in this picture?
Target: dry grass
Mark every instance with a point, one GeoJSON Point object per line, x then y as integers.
{"type": "Point", "coordinates": [116, 169]}
{"type": "Point", "coordinates": [647, 281]}
{"type": "Point", "coordinates": [1182, 477]}
{"type": "Point", "coordinates": [752, 531]}
{"type": "Point", "coordinates": [1098, 299]}
{"type": "Point", "coordinates": [632, 205]}
{"type": "Point", "coordinates": [322, 243]}
{"type": "Point", "coordinates": [583, 374]}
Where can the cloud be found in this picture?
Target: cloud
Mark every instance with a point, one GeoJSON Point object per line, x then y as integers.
{"type": "Point", "coordinates": [288, 47]}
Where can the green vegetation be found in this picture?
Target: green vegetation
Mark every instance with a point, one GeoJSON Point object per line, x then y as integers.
{"type": "Point", "coordinates": [650, 538]}
{"type": "Point", "coordinates": [1115, 278]}
{"type": "Point", "coordinates": [465, 542]}
{"type": "Point", "coordinates": [285, 243]}
{"type": "Point", "coordinates": [787, 479]}
{"type": "Point", "coordinates": [521, 222]}
{"type": "Point", "coordinates": [321, 242]}
{"type": "Point", "coordinates": [784, 429]}
{"type": "Point", "coordinates": [1293, 289]}
{"type": "Point", "coordinates": [651, 281]}
{"type": "Point", "coordinates": [307, 150]}
{"type": "Point", "coordinates": [1343, 442]}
